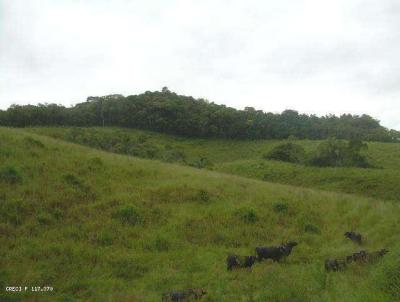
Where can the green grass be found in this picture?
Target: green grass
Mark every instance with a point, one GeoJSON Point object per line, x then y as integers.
{"type": "Point", "coordinates": [99, 226]}
{"type": "Point", "coordinates": [245, 158]}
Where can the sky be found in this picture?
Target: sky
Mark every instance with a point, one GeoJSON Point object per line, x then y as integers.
{"type": "Point", "coordinates": [314, 56]}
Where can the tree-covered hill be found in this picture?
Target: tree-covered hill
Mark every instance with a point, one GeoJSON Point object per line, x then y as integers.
{"type": "Point", "coordinates": [97, 226]}
{"type": "Point", "coordinates": [168, 112]}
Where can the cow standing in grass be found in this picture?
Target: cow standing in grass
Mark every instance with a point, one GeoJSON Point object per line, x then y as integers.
{"type": "Point", "coordinates": [184, 295]}
{"type": "Point", "coordinates": [336, 264]}
{"type": "Point", "coordinates": [353, 236]}
{"type": "Point", "coordinates": [275, 252]}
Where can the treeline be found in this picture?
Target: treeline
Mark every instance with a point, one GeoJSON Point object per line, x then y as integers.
{"type": "Point", "coordinates": [168, 112]}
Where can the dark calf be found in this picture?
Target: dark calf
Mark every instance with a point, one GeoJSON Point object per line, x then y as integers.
{"type": "Point", "coordinates": [184, 295]}
{"type": "Point", "coordinates": [275, 252]}
{"type": "Point", "coordinates": [355, 237]}
{"type": "Point", "coordinates": [233, 261]}
{"type": "Point", "coordinates": [335, 264]}
{"type": "Point", "coordinates": [359, 256]}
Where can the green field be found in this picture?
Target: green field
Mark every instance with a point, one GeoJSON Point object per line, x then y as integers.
{"type": "Point", "coordinates": [99, 226]}
{"type": "Point", "coordinates": [244, 158]}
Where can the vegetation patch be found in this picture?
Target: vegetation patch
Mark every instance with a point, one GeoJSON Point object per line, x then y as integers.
{"type": "Point", "coordinates": [73, 180]}
{"type": "Point", "coordinates": [247, 215]}
{"type": "Point", "coordinates": [338, 153]}
{"type": "Point", "coordinates": [10, 175]}
{"type": "Point", "coordinates": [181, 194]}
{"type": "Point", "coordinates": [104, 238]}
{"type": "Point", "coordinates": [280, 207]}
{"type": "Point", "coordinates": [200, 163]}
{"type": "Point", "coordinates": [127, 214]}
{"type": "Point", "coordinates": [289, 152]}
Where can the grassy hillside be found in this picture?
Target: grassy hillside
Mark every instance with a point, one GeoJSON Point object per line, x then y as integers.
{"type": "Point", "coordinates": [104, 227]}
{"type": "Point", "coordinates": [244, 158]}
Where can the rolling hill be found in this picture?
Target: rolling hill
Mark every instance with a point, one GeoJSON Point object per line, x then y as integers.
{"type": "Point", "coordinates": [245, 158]}
{"type": "Point", "coordinates": [100, 226]}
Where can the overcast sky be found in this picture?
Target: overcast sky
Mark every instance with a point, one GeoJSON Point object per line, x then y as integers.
{"type": "Point", "coordinates": [314, 56]}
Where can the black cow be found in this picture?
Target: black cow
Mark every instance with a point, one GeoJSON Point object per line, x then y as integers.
{"type": "Point", "coordinates": [233, 261]}
{"type": "Point", "coordinates": [184, 295]}
{"type": "Point", "coordinates": [335, 264]}
{"type": "Point", "coordinates": [353, 236]}
{"type": "Point", "coordinates": [275, 252]}
{"type": "Point", "coordinates": [359, 256]}
{"type": "Point", "coordinates": [374, 256]}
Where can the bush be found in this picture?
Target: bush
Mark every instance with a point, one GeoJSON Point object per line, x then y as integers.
{"type": "Point", "coordinates": [288, 152]}
{"type": "Point", "coordinates": [204, 196]}
{"type": "Point", "coordinates": [201, 162]}
{"type": "Point", "coordinates": [338, 153]}
{"type": "Point", "coordinates": [72, 180]}
{"type": "Point", "coordinates": [10, 175]}
{"type": "Point", "coordinates": [247, 215]}
{"type": "Point", "coordinates": [127, 214]}
{"type": "Point", "coordinates": [280, 207]}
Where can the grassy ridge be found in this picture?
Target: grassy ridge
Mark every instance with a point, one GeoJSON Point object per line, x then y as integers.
{"type": "Point", "coordinates": [104, 227]}
{"type": "Point", "coordinates": [244, 158]}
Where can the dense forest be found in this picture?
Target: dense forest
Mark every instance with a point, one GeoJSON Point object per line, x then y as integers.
{"type": "Point", "coordinates": [167, 112]}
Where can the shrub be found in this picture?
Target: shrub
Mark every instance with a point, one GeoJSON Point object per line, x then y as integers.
{"type": "Point", "coordinates": [72, 180]}
{"type": "Point", "coordinates": [10, 175]}
{"type": "Point", "coordinates": [338, 153]}
{"type": "Point", "coordinates": [201, 162]}
{"type": "Point", "coordinates": [247, 215]}
{"type": "Point", "coordinates": [127, 214]}
{"type": "Point", "coordinates": [204, 196]}
{"type": "Point", "coordinates": [280, 207]}
{"type": "Point", "coordinates": [288, 152]}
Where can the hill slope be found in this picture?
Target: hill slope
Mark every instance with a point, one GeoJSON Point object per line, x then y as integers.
{"type": "Point", "coordinates": [104, 227]}
{"type": "Point", "coordinates": [245, 158]}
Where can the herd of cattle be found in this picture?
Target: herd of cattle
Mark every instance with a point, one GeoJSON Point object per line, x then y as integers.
{"type": "Point", "coordinates": [276, 253]}
{"type": "Point", "coordinates": [358, 257]}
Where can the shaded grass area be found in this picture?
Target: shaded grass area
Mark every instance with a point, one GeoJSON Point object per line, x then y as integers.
{"type": "Point", "coordinates": [245, 158]}
{"type": "Point", "coordinates": [104, 227]}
